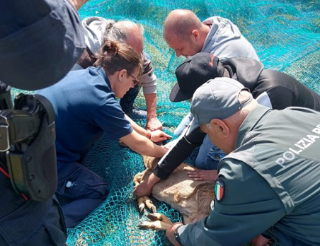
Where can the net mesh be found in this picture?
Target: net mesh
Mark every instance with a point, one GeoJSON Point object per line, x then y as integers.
{"type": "Point", "coordinates": [286, 37]}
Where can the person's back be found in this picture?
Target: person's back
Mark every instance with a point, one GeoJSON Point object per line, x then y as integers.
{"type": "Point", "coordinates": [282, 147]}
{"type": "Point", "coordinates": [272, 88]}
{"type": "Point", "coordinates": [284, 91]}
{"type": "Point", "coordinates": [268, 183]}
{"type": "Point", "coordinates": [79, 101]}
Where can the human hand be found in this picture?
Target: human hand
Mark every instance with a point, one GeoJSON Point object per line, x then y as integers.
{"type": "Point", "coordinates": [153, 124]}
{"type": "Point", "coordinates": [158, 136]}
{"type": "Point", "coordinates": [261, 241]}
{"type": "Point", "coordinates": [142, 189]}
{"type": "Point", "coordinates": [170, 233]}
{"type": "Point", "coordinates": [203, 175]}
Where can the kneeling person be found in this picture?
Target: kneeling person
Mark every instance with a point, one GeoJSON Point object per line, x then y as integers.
{"type": "Point", "coordinates": [86, 108]}
{"type": "Point", "coordinates": [271, 88]}
{"type": "Point", "coordinates": [268, 182]}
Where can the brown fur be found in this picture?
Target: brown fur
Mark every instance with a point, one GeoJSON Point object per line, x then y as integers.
{"type": "Point", "coordinates": [191, 198]}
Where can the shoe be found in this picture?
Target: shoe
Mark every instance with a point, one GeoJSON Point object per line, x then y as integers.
{"type": "Point", "coordinates": [137, 114]}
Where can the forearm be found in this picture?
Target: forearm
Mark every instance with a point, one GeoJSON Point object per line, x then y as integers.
{"type": "Point", "coordinates": [143, 145]}
{"type": "Point", "coordinates": [138, 128]}
{"type": "Point", "coordinates": [146, 147]}
{"type": "Point", "coordinates": [170, 233]}
{"type": "Point", "coordinates": [151, 103]}
{"type": "Point", "coordinates": [145, 188]}
{"type": "Point", "coordinates": [152, 180]}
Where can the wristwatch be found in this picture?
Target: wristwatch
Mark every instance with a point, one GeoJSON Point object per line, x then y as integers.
{"type": "Point", "coordinates": [177, 236]}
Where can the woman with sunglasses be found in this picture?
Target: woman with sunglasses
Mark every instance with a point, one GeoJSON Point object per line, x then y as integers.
{"type": "Point", "coordinates": [86, 108]}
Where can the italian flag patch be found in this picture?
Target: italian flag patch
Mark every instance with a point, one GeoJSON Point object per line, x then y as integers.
{"type": "Point", "coordinates": [219, 189]}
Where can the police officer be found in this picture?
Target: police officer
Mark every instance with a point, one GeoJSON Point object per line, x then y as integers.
{"type": "Point", "coordinates": [268, 183]}
{"type": "Point", "coordinates": [40, 41]}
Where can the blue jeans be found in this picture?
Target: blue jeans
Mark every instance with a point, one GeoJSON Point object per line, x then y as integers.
{"type": "Point", "coordinates": [80, 191]}
{"type": "Point", "coordinates": [127, 101]}
{"type": "Point", "coordinates": [183, 124]}
{"type": "Point", "coordinates": [208, 156]}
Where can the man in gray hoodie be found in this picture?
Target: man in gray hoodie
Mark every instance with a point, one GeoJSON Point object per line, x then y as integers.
{"type": "Point", "coordinates": [187, 35]}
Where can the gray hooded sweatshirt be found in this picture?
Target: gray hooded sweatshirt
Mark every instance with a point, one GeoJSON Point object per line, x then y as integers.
{"type": "Point", "coordinates": [226, 41]}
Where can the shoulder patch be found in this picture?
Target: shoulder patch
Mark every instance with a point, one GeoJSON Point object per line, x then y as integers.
{"type": "Point", "coordinates": [219, 189]}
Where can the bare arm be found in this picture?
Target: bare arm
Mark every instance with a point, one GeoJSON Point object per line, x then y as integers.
{"type": "Point", "coordinates": [143, 145]}
{"type": "Point", "coordinates": [170, 233]}
{"type": "Point", "coordinates": [138, 128]}
{"type": "Point", "coordinates": [145, 187]}
{"type": "Point", "coordinates": [155, 136]}
{"type": "Point", "coordinates": [177, 154]}
{"type": "Point", "coordinates": [173, 159]}
{"type": "Point", "coordinates": [152, 121]}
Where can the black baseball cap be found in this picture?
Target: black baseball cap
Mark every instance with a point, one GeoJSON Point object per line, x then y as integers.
{"type": "Point", "coordinates": [40, 43]}
{"type": "Point", "coordinates": [194, 72]}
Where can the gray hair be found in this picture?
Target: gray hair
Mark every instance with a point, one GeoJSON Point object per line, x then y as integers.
{"type": "Point", "coordinates": [118, 31]}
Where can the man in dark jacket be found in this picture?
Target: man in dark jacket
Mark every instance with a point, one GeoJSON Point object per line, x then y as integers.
{"type": "Point", "coordinates": [270, 88]}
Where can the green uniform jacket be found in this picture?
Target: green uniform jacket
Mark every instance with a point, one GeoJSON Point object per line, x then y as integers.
{"type": "Point", "coordinates": [272, 183]}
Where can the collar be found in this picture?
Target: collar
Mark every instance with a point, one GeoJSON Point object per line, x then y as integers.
{"type": "Point", "coordinates": [103, 74]}
{"type": "Point", "coordinates": [250, 122]}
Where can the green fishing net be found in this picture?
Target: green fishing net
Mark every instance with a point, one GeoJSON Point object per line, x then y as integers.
{"type": "Point", "coordinates": [285, 34]}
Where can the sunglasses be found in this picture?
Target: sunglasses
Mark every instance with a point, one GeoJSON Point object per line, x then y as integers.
{"type": "Point", "coordinates": [135, 80]}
